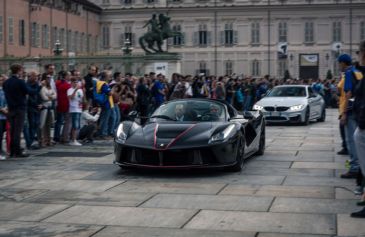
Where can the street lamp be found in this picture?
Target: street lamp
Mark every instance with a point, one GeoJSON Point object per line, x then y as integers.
{"type": "Point", "coordinates": [57, 49]}
{"type": "Point", "coordinates": [127, 48]}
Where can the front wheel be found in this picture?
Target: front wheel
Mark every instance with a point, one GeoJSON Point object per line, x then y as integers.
{"type": "Point", "coordinates": [239, 157]}
{"type": "Point", "coordinates": [261, 150]}
{"type": "Point", "coordinates": [306, 118]}
{"type": "Point", "coordinates": [323, 116]}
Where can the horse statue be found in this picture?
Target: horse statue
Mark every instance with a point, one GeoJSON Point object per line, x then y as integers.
{"type": "Point", "coordinates": [159, 31]}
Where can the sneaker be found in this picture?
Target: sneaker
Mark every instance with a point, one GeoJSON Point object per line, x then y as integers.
{"type": "Point", "coordinates": [359, 214]}
{"type": "Point", "coordinates": [349, 175]}
{"type": "Point", "coordinates": [343, 152]}
{"type": "Point", "coordinates": [2, 157]}
{"type": "Point", "coordinates": [359, 191]}
{"type": "Point", "coordinates": [75, 143]}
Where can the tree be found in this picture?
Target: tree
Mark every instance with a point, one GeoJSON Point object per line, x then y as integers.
{"type": "Point", "coordinates": [329, 75]}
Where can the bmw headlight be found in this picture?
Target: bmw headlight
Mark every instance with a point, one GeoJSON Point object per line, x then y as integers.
{"type": "Point", "coordinates": [257, 107]}
{"type": "Point", "coordinates": [296, 107]}
{"type": "Point", "coordinates": [223, 135]}
{"type": "Point", "coordinates": [121, 136]}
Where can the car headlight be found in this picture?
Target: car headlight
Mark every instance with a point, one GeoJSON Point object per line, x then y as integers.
{"type": "Point", "coordinates": [257, 107]}
{"type": "Point", "coordinates": [223, 135]}
{"type": "Point", "coordinates": [121, 136]}
{"type": "Point", "coordinates": [296, 107]}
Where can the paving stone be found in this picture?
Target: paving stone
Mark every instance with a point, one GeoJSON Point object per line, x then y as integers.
{"type": "Point", "coordinates": [314, 154]}
{"type": "Point", "coordinates": [37, 229]}
{"type": "Point", "coordinates": [347, 226]}
{"type": "Point", "coordinates": [59, 184]}
{"type": "Point", "coordinates": [317, 181]}
{"type": "Point", "coordinates": [278, 158]}
{"type": "Point", "coordinates": [28, 211]}
{"type": "Point", "coordinates": [318, 165]}
{"type": "Point", "coordinates": [167, 232]}
{"type": "Point", "coordinates": [172, 187]}
{"type": "Point", "coordinates": [19, 194]}
{"type": "Point", "coordinates": [9, 182]}
{"type": "Point", "coordinates": [286, 171]}
{"type": "Point", "coordinates": [342, 193]}
{"type": "Point", "coordinates": [264, 222]}
{"type": "Point", "coordinates": [97, 199]}
{"type": "Point", "coordinates": [211, 202]}
{"type": "Point", "coordinates": [123, 216]}
{"type": "Point", "coordinates": [260, 180]}
{"type": "Point", "coordinates": [309, 205]}
{"type": "Point", "coordinates": [289, 235]}
{"type": "Point", "coordinates": [276, 164]}
{"type": "Point", "coordinates": [328, 147]}
{"type": "Point", "coordinates": [279, 191]}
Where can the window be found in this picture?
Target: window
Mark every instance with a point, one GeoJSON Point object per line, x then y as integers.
{"type": "Point", "coordinates": [54, 36]}
{"type": "Point", "coordinates": [255, 32]}
{"type": "Point", "coordinates": [177, 40]}
{"type": "Point", "coordinates": [69, 39]}
{"type": "Point", "coordinates": [128, 34]}
{"type": "Point", "coordinates": [283, 32]}
{"type": "Point", "coordinates": [229, 67]}
{"type": "Point", "coordinates": [309, 32]}
{"type": "Point", "coordinates": [255, 68]}
{"type": "Point", "coordinates": [105, 35]}
{"type": "Point", "coordinates": [45, 37]}
{"type": "Point", "coordinates": [38, 35]}
{"type": "Point", "coordinates": [83, 43]}
{"type": "Point", "coordinates": [127, 2]}
{"type": "Point", "coordinates": [203, 68]}
{"type": "Point", "coordinates": [63, 38]}
{"type": "Point", "coordinates": [150, 1]}
{"type": "Point", "coordinates": [1, 29]}
{"type": "Point", "coordinates": [89, 42]}
{"type": "Point", "coordinates": [203, 35]}
{"type": "Point", "coordinates": [35, 35]}
{"type": "Point", "coordinates": [106, 2]}
{"type": "Point", "coordinates": [362, 30]}
{"type": "Point", "coordinates": [21, 32]}
{"type": "Point", "coordinates": [337, 31]}
{"type": "Point", "coordinates": [11, 30]}
{"type": "Point", "coordinates": [228, 34]}
{"type": "Point", "coordinates": [76, 42]}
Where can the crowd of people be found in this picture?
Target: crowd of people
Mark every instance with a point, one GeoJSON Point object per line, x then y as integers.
{"type": "Point", "coordinates": [81, 109]}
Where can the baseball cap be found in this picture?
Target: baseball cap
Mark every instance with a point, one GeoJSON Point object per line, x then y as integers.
{"type": "Point", "coordinates": [344, 58]}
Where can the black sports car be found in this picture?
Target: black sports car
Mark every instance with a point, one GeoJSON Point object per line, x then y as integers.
{"type": "Point", "coordinates": [191, 133]}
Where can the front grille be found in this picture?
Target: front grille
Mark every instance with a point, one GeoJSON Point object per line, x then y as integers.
{"type": "Point", "coordinates": [275, 118]}
{"type": "Point", "coordinates": [282, 108]}
{"type": "Point", "coordinates": [168, 157]}
{"type": "Point", "coordinates": [269, 108]}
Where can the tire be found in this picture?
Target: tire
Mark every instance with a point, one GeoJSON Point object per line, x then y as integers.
{"type": "Point", "coordinates": [239, 157]}
{"type": "Point", "coordinates": [124, 167]}
{"type": "Point", "coordinates": [262, 143]}
{"type": "Point", "coordinates": [307, 114]}
{"type": "Point", "coordinates": [323, 116]}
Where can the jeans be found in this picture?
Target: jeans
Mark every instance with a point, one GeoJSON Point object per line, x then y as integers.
{"type": "Point", "coordinates": [112, 120]}
{"type": "Point", "coordinates": [350, 128]}
{"type": "Point", "coordinates": [104, 121]}
{"type": "Point", "coordinates": [33, 123]}
{"type": "Point", "coordinates": [75, 118]}
{"type": "Point", "coordinates": [27, 139]}
{"type": "Point", "coordinates": [16, 118]}
{"type": "Point", "coordinates": [116, 118]}
{"type": "Point", "coordinates": [248, 103]}
{"type": "Point", "coordinates": [343, 136]}
{"type": "Point", "coordinates": [62, 119]}
{"type": "Point", "coordinates": [2, 130]}
{"type": "Point", "coordinates": [359, 138]}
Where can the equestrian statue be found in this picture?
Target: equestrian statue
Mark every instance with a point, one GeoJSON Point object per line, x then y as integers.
{"type": "Point", "coordinates": [159, 31]}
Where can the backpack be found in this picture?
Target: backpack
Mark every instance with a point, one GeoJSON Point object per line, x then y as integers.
{"type": "Point", "coordinates": [99, 98]}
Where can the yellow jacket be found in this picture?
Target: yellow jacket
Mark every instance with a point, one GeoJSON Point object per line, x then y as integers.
{"type": "Point", "coordinates": [342, 99]}
{"type": "Point", "coordinates": [99, 85]}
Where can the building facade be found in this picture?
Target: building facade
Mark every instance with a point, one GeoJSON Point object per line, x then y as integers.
{"type": "Point", "coordinates": [30, 28]}
{"type": "Point", "coordinates": [249, 37]}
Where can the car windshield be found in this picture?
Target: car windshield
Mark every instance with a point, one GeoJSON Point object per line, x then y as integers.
{"type": "Point", "coordinates": [288, 91]}
{"type": "Point", "coordinates": [191, 111]}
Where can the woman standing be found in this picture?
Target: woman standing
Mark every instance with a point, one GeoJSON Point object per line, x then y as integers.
{"type": "Point", "coordinates": [48, 95]}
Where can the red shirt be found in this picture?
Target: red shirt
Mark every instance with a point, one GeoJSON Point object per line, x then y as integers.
{"type": "Point", "coordinates": [62, 99]}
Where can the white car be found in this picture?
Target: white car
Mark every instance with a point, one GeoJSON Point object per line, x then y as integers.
{"type": "Point", "coordinates": [292, 103]}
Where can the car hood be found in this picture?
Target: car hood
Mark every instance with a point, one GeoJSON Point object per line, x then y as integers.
{"type": "Point", "coordinates": [282, 101]}
{"type": "Point", "coordinates": [166, 135]}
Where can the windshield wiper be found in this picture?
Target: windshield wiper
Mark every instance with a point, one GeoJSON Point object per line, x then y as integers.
{"type": "Point", "coordinates": [163, 117]}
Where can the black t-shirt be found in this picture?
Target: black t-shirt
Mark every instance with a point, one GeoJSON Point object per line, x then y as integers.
{"type": "Point", "coordinates": [359, 103]}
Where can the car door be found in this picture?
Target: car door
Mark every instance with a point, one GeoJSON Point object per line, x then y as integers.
{"type": "Point", "coordinates": [314, 103]}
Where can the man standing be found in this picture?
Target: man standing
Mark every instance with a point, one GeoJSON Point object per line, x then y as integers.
{"type": "Point", "coordinates": [62, 85]}
{"type": "Point", "coordinates": [351, 78]}
{"type": "Point", "coordinates": [88, 82]}
{"type": "Point", "coordinates": [359, 112]}
{"type": "Point", "coordinates": [15, 93]}
{"type": "Point", "coordinates": [158, 91]}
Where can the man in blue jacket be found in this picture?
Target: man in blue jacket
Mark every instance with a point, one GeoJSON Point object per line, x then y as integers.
{"type": "Point", "coordinates": [15, 93]}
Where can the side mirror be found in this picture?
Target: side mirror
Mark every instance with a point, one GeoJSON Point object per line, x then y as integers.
{"type": "Point", "coordinates": [132, 115]}
{"type": "Point", "coordinates": [247, 115]}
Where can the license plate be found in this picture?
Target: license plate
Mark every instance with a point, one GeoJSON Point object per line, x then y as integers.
{"type": "Point", "coordinates": [275, 113]}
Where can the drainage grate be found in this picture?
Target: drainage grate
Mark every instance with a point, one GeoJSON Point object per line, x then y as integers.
{"type": "Point", "coordinates": [74, 154]}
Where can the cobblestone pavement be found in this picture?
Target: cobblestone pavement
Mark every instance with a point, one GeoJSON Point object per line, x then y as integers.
{"type": "Point", "coordinates": [293, 190]}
